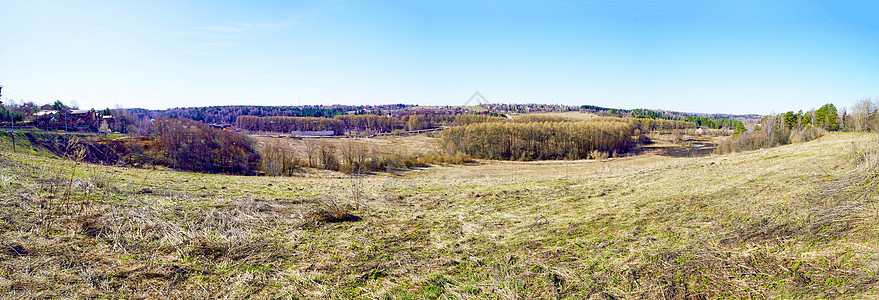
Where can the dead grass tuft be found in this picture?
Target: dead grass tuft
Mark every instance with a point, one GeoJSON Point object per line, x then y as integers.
{"type": "Point", "coordinates": [91, 226]}
{"type": "Point", "coordinates": [15, 249]}
{"type": "Point", "coordinates": [330, 211]}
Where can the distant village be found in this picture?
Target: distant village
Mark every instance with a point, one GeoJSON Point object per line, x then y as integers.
{"type": "Point", "coordinates": [55, 116]}
{"type": "Point", "coordinates": [72, 120]}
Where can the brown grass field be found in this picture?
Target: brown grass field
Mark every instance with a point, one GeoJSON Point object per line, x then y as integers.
{"type": "Point", "coordinates": [797, 221]}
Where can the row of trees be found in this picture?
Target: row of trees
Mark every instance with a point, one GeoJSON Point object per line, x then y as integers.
{"type": "Point", "coordinates": [539, 118]}
{"type": "Point", "coordinates": [371, 123]}
{"type": "Point", "coordinates": [375, 123]}
{"type": "Point", "coordinates": [712, 123]}
{"type": "Point", "coordinates": [288, 124]}
{"type": "Point", "coordinates": [476, 118]}
{"type": "Point", "coordinates": [341, 124]}
{"type": "Point", "coordinates": [543, 140]}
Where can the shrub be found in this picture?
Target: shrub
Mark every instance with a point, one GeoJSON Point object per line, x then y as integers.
{"type": "Point", "coordinates": [329, 211]}
{"type": "Point", "coordinates": [808, 133]}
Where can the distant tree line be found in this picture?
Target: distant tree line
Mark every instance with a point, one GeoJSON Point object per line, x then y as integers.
{"type": "Point", "coordinates": [476, 118]}
{"type": "Point", "coordinates": [288, 124]}
{"type": "Point", "coordinates": [229, 114]}
{"type": "Point", "coordinates": [713, 121]}
{"type": "Point", "coordinates": [342, 124]}
{"type": "Point", "coordinates": [539, 118]}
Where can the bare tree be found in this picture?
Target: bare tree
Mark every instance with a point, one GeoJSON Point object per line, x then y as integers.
{"type": "Point", "coordinates": [326, 153]}
{"type": "Point", "coordinates": [310, 148]}
{"type": "Point", "coordinates": [862, 114]}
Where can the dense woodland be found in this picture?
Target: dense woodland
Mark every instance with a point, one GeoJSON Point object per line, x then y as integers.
{"type": "Point", "coordinates": [543, 140]}
{"type": "Point", "coordinates": [194, 146]}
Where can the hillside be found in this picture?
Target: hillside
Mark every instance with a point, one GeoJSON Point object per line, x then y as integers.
{"type": "Point", "coordinates": [791, 221]}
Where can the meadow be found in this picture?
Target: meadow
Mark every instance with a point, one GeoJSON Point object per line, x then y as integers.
{"type": "Point", "coordinates": [791, 221]}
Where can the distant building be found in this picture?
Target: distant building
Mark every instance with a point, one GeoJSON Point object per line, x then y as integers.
{"type": "Point", "coordinates": [79, 120]}
{"type": "Point", "coordinates": [313, 133]}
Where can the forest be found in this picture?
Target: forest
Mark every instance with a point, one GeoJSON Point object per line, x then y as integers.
{"type": "Point", "coordinates": [183, 144]}
{"type": "Point", "coordinates": [544, 140]}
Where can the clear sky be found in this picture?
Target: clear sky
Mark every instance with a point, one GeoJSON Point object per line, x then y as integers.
{"type": "Point", "coordinates": [698, 56]}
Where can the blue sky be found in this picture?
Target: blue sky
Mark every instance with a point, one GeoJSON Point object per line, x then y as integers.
{"type": "Point", "coordinates": [698, 56]}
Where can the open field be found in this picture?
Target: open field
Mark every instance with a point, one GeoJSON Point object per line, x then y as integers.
{"type": "Point", "coordinates": [792, 221]}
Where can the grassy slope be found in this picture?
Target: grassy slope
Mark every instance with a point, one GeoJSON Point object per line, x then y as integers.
{"type": "Point", "coordinates": [22, 144]}
{"type": "Point", "coordinates": [741, 225]}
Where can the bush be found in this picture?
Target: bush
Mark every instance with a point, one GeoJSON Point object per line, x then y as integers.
{"type": "Point", "coordinates": [808, 133]}
{"type": "Point", "coordinates": [329, 211]}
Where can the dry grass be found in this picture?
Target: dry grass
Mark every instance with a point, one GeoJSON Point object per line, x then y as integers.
{"type": "Point", "coordinates": [792, 221]}
{"type": "Point", "coordinates": [329, 211]}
